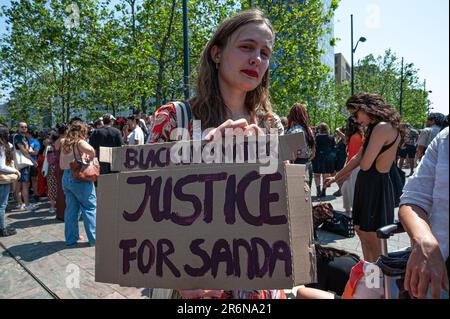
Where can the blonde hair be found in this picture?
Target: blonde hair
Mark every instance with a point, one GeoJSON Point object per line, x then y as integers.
{"type": "Point", "coordinates": [323, 128]}
{"type": "Point", "coordinates": [208, 105]}
{"type": "Point", "coordinates": [77, 131]}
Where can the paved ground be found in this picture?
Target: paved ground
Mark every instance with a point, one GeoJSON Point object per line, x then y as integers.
{"type": "Point", "coordinates": [39, 246]}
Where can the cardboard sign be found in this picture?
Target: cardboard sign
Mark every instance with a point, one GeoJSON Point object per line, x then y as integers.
{"type": "Point", "coordinates": [211, 227]}
{"type": "Point", "coordinates": [158, 155]}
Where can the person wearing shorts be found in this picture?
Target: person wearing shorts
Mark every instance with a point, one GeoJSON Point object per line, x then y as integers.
{"type": "Point", "coordinates": [21, 144]}
{"type": "Point", "coordinates": [408, 151]}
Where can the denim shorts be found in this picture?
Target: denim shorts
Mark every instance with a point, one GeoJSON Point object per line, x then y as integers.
{"type": "Point", "coordinates": [24, 175]}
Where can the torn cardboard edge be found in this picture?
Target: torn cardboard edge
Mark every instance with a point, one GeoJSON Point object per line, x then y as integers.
{"type": "Point", "coordinates": [158, 155]}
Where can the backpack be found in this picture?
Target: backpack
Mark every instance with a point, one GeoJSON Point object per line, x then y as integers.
{"type": "Point", "coordinates": [184, 116]}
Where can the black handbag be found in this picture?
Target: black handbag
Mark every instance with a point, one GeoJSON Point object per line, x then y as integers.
{"type": "Point", "coordinates": [339, 224]}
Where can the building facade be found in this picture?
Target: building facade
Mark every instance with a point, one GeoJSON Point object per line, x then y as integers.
{"type": "Point", "coordinates": [327, 57]}
{"type": "Point", "coordinates": [342, 68]}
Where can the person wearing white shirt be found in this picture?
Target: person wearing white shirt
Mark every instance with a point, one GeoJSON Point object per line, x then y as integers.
{"type": "Point", "coordinates": [434, 126]}
{"type": "Point", "coordinates": [136, 137]}
{"type": "Point", "coordinates": [424, 213]}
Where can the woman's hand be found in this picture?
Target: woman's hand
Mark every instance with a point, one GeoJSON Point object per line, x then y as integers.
{"type": "Point", "coordinates": [17, 172]}
{"type": "Point", "coordinates": [200, 293]}
{"type": "Point", "coordinates": [426, 266]}
{"type": "Point", "coordinates": [230, 127]}
{"type": "Point", "coordinates": [328, 181]}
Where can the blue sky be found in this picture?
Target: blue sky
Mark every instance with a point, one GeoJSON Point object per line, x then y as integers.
{"type": "Point", "coordinates": [418, 30]}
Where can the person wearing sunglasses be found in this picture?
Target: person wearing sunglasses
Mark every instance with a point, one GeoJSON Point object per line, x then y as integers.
{"type": "Point", "coordinates": [374, 193]}
{"type": "Point", "coordinates": [21, 144]}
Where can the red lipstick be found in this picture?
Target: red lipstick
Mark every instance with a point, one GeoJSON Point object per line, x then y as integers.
{"type": "Point", "coordinates": [251, 73]}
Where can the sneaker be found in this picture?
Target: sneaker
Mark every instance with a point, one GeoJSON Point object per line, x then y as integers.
{"type": "Point", "coordinates": [30, 207]}
{"type": "Point", "coordinates": [20, 207]}
{"type": "Point", "coordinates": [8, 231]}
{"type": "Point", "coordinates": [52, 211]}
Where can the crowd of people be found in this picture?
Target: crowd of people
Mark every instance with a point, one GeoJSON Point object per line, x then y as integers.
{"type": "Point", "coordinates": [233, 92]}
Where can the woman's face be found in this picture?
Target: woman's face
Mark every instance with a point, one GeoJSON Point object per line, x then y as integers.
{"type": "Point", "coordinates": [245, 58]}
{"type": "Point", "coordinates": [360, 117]}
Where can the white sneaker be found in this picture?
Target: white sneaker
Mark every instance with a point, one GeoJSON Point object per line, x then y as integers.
{"type": "Point", "coordinates": [20, 207]}
{"type": "Point", "coordinates": [30, 207]}
{"type": "Point", "coordinates": [52, 211]}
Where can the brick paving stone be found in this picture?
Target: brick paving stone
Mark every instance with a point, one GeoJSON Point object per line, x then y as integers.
{"type": "Point", "coordinates": [14, 281]}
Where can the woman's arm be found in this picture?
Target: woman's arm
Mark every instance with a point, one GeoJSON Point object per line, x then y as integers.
{"type": "Point", "coordinates": [347, 169]}
{"type": "Point", "coordinates": [341, 135]}
{"type": "Point", "coordinates": [86, 148]}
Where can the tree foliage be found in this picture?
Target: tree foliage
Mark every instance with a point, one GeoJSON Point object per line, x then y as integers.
{"type": "Point", "coordinates": [61, 58]}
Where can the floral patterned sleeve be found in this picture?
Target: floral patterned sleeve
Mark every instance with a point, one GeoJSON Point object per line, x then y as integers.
{"type": "Point", "coordinates": [165, 123]}
{"type": "Point", "coordinates": [270, 120]}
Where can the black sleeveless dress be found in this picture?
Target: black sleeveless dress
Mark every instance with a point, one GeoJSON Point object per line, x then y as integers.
{"type": "Point", "coordinates": [374, 200]}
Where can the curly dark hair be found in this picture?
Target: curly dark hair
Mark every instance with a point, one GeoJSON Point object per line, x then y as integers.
{"type": "Point", "coordinates": [439, 119]}
{"type": "Point", "coordinates": [376, 109]}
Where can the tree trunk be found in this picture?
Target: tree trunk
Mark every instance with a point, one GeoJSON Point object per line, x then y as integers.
{"type": "Point", "coordinates": [160, 78]}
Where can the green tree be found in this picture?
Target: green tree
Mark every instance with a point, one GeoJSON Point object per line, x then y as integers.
{"type": "Point", "coordinates": [42, 60]}
{"type": "Point", "coordinates": [382, 75]}
{"type": "Point", "coordinates": [123, 55]}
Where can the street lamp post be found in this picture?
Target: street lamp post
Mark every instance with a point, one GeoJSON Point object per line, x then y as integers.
{"type": "Point", "coordinates": [361, 39]}
{"type": "Point", "coordinates": [186, 51]}
{"type": "Point", "coordinates": [402, 79]}
{"type": "Point", "coordinates": [425, 93]}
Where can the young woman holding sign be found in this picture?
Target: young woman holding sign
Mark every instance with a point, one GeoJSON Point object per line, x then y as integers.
{"type": "Point", "coordinates": [232, 92]}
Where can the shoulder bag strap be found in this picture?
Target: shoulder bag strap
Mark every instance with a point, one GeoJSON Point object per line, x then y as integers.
{"type": "Point", "coordinates": [184, 115]}
{"type": "Point", "coordinates": [73, 150]}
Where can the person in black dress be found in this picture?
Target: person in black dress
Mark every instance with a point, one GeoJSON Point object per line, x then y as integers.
{"type": "Point", "coordinates": [373, 202]}
{"type": "Point", "coordinates": [324, 161]}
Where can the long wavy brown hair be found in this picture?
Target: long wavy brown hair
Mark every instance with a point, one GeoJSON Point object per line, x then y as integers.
{"type": "Point", "coordinates": [376, 109]}
{"type": "Point", "coordinates": [298, 115]}
{"type": "Point", "coordinates": [76, 131]}
{"type": "Point", "coordinates": [4, 134]}
{"type": "Point", "coordinates": [208, 105]}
